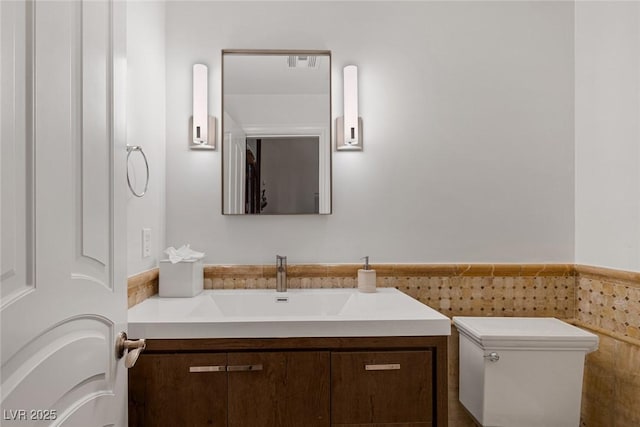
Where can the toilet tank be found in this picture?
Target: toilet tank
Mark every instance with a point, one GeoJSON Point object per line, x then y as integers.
{"type": "Point", "coordinates": [522, 372]}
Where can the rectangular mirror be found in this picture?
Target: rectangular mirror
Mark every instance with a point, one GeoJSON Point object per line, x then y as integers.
{"type": "Point", "coordinates": [276, 128]}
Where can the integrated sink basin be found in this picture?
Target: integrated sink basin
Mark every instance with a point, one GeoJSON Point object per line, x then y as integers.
{"type": "Point", "coordinates": [296, 313]}
{"type": "Point", "coordinates": [268, 303]}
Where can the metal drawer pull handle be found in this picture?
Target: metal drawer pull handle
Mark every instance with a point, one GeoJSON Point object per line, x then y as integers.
{"type": "Point", "coordinates": [387, 367]}
{"type": "Point", "coordinates": [238, 368]}
{"type": "Point", "coordinates": [221, 368]}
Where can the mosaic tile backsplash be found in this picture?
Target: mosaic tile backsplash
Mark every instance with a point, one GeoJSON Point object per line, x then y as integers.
{"type": "Point", "coordinates": [602, 300]}
{"type": "Point", "coordinates": [454, 290]}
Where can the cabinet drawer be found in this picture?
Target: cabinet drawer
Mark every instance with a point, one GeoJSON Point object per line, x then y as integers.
{"type": "Point", "coordinates": [381, 387]}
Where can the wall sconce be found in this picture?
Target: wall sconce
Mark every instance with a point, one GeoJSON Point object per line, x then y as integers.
{"type": "Point", "coordinates": [202, 126]}
{"type": "Point", "coordinates": [349, 127]}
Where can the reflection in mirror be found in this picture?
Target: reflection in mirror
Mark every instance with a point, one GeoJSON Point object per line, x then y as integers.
{"type": "Point", "coordinates": [282, 175]}
{"type": "Point", "coordinates": [276, 132]}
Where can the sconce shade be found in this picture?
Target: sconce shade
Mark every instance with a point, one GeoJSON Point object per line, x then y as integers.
{"type": "Point", "coordinates": [200, 107]}
{"type": "Point", "coordinates": [351, 136]}
{"type": "Point", "coordinates": [202, 132]}
{"type": "Point", "coordinates": [349, 127]}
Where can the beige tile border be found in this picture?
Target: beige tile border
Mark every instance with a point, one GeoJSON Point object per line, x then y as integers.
{"type": "Point", "coordinates": [391, 270]}
{"type": "Point", "coordinates": [629, 278]}
{"type": "Point", "coordinates": [234, 271]}
{"type": "Point", "coordinates": [142, 286]}
{"type": "Point", "coordinates": [143, 278]}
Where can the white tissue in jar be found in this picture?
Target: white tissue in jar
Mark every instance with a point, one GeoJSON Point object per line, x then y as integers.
{"type": "Point", "coordinates": [182, 279]}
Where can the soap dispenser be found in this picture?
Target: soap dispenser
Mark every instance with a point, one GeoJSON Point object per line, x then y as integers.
{"type": "Point", "coordinates": [366, 277]}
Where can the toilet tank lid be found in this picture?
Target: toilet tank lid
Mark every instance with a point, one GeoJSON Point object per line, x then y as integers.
{"type": "Point", "coordinates": [525, 332]}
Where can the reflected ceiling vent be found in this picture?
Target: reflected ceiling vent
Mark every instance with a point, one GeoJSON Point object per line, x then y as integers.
{"type": "Point", "coordinates": [303, 61]}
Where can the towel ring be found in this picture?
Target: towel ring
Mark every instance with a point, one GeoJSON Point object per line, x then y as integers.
{"type": "Point", "coordinates": [130, 149]}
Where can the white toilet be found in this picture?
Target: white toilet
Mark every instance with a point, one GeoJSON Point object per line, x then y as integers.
{"type": "Point", "coordinates": [522, 372]}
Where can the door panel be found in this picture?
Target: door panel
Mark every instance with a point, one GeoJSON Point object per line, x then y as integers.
{"type": "Point", "coordinates": [16, 273]}
{"type": "Point", "coordinates": [66, 301]}
{"type": "Point", "coordinates": [95, 135]}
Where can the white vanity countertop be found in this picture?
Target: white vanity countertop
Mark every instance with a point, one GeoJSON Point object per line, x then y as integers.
{"type": "Point", "coordinates": [304, 313]}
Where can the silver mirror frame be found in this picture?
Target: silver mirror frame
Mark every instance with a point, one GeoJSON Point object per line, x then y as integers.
{"type": "Point", "coordinates": [263, 52]}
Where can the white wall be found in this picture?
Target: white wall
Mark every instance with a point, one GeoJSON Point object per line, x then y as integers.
{"type": "Point", "coordinates": [146, 127]}
{"type": "Point", "coordinates": [608, 134]}
{"type": "Point", "coordinates": [468, 130]}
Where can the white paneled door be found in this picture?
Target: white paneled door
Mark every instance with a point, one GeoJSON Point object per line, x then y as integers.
{"type": "Point", "coordinates": [63, 261]}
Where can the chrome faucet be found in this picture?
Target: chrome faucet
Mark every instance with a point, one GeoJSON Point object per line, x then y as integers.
{"type": "Point", "coordinates": [281, 273]}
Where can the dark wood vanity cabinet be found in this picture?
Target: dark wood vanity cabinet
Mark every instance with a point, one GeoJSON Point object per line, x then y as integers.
{"type": "Point", "coordinates": [291, 382]}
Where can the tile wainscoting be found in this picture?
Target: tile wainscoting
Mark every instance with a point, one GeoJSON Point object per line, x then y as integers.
{"type": "Point", "coordinates": [605, 301]}
{"type": "Point", "coordinates": [608, 304]}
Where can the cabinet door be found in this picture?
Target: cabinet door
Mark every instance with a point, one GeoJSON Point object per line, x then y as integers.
{"type": "Point", "coordinates": [378, 388]}
{"type": "Point", "coordinates": [279, 389]}
{"type": "Point", "coordinates": [186, 390]}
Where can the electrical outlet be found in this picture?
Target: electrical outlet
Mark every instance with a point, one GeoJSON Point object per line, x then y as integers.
{"type": "Point", "coordinates": [146, 242]}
